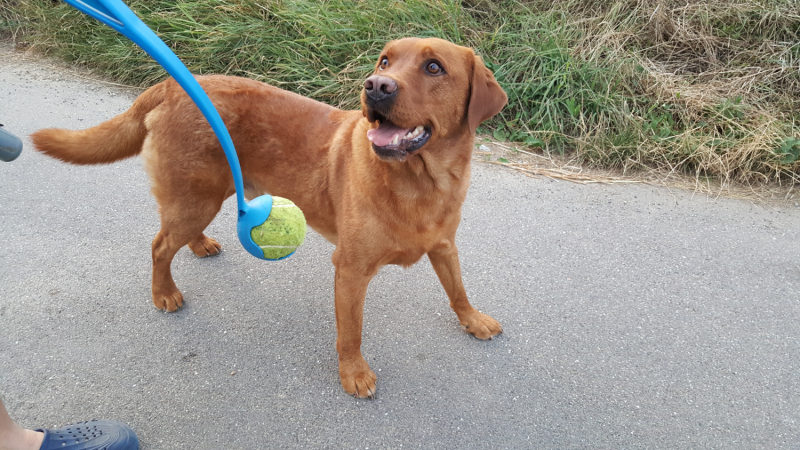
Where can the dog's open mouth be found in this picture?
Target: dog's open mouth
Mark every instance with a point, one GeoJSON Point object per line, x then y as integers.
{"type": "Point", "coordinates": [392, 142]}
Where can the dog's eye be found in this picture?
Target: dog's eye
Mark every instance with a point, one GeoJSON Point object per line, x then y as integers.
{"type": "Point", "coordinates": [384, 63]}
{"type": "Point", "coordinates": [434, 68]}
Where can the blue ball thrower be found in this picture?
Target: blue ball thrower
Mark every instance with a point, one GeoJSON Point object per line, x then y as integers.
{"type": "Point", "coordinates": [118, 16]}
{"type": "Point", "coordinates": [10, 146]}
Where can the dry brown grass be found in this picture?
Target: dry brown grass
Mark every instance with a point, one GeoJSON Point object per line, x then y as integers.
{"type": "Point", "coordinates": [569, 168]}
{"type": "Point", "coordinates": [725, 73]}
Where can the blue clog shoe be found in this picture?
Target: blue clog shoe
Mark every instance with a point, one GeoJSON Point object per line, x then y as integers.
{"type": "Point", "coordinates": [92, 435]}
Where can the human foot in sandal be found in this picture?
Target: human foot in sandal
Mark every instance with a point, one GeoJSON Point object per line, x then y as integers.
{"type": "Point", "coordinates": [80, 436]}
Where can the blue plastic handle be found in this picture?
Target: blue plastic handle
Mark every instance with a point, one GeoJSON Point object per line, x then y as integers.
{"type": "Point", "coordinates": [10, 146]}
{"type": "Point", "coordinates": [118, 16]}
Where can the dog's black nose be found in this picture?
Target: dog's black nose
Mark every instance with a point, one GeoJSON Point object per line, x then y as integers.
{"type": "Point", "coordinates": [380, 88]}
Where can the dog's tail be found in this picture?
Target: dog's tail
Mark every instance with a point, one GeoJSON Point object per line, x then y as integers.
{"type": "Point", "coordinates": [115, 139]}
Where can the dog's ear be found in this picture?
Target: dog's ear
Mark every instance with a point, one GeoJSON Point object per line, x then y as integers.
{"type": "Point", "coordinates": [486, 98]}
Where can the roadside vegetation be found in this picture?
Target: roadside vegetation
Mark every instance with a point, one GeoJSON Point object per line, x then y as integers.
{"type": "Point", "coordinates": [706, 88]}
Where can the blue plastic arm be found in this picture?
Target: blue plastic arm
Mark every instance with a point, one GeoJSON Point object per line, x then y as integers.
{"type": "Point", "coordinates": [118, 16]}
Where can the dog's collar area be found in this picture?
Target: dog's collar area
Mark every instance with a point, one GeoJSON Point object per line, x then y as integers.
{"type": "Point", "coordinates": [392, 142]}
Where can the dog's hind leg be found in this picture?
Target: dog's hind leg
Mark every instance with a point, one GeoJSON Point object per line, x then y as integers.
{"type": "Point", "coordinates": [190, 181]}
{"type": "Point", "coordinates": [182, 223]}
{"type": "Point", "coordinates": [205, 246]}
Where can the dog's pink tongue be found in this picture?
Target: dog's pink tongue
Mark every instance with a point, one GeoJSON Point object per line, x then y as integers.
{"type": "Point", "coordinates": [385, 133]}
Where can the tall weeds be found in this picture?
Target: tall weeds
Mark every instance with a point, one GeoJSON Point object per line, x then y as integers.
{"type": "Point", "coordinates": [705, 87]}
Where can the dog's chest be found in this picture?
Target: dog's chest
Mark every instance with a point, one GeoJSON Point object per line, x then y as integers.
{"type": "Point", "coordinates": [413, 239]}
{"type": "Point", "coordinates": [405, 257]}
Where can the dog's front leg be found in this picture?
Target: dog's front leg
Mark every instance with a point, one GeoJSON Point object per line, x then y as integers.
{"type": "Point", "coordinates": [444, 259]}
{"type": "Point", "coordinates": [351, 289]}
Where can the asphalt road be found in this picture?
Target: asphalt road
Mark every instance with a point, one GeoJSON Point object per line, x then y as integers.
{"type": "Point", "coordinates": [634, 316]}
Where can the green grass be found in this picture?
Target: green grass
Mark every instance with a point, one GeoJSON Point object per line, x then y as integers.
{"type": "Point", "coordinates": [708, 88]}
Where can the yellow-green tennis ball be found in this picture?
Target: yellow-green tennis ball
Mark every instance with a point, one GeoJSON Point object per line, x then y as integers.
{"type": "Point", "coordinates": [283, 232]}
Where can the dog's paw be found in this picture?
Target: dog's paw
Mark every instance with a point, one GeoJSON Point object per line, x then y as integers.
{"type": "Point", "coordinates": [481, 325]}
{"type": "Point", "coordinates": [205, 246]}
{"type": "Point", "coordinates": [168, 302]}
{"type": "Point", "coordinates": [358, 379]}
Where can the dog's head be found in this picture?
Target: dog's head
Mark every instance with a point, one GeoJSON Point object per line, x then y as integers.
{"type": "Point", "coordinates": [424, 90]}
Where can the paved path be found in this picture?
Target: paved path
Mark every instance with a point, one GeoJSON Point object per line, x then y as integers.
{"type": "Point", "coordinates": [634, 317]}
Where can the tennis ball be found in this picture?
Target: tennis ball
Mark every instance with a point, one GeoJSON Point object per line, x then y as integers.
{"type": "Point", "coordinates": [283, 232]}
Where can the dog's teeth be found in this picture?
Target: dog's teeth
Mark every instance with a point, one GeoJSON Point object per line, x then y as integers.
{"type": "Point", "coordinates": [418, 130]}
{"type": "Point", "coordinates": [408, 136]}
{"type": "Point", "coordinates": [396, 139]}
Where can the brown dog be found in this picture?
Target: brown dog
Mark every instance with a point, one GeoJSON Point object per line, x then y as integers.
{"type": "Point", "coordinates": [384, 184]}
